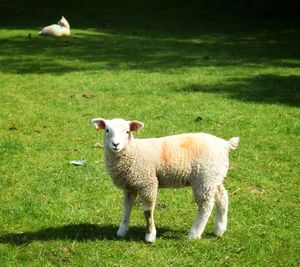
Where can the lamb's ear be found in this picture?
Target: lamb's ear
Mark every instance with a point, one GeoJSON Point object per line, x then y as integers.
{"type": "Point", "coordinates": [135, 126]}
{"type": "Point", "coordinates": [98, 123]}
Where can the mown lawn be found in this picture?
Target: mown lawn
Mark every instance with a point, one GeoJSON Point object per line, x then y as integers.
{"type": "Point", "coordinates": [178, 67]}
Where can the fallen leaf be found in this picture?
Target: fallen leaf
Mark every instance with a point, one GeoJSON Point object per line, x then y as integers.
{"type": "Point", "coordinates": [65, 250]}
{"type": "Point", "coordinates": [234, 192]}
{"type": "Point", "coordinates": [257, 191]}
{"type": "Point", "coordinates": [88, 95]}
{"type": "Point", "coordinates": [160, 206]}
{"type": "Point", "coordinates": [198, 119]}
{"type": "Point", "coordinates": [98, 145]}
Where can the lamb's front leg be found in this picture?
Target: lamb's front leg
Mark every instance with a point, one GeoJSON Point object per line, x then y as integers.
{"type": "Point", "coordinates": [129, 200]}
{"type": "Point", "coordinates": [148, 203]}
{"type": "Point", "coordinates": [150, 226]}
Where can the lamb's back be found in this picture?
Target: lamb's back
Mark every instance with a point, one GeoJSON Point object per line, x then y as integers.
{"type": "Point", "coordinates": [177, 158]}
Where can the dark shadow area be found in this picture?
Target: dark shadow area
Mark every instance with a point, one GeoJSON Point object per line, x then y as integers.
{"type": "Point", "coordinates": [261, 88]}
{"type": "Point", "coordinates": [95, 51]}
{"type": "Point", "coordinates": [149, 35]}
{"type": "Point", "coordinates": [81, 233]}
{"type": "Point", "coordinates": [127, 16]}
{"type": "Point", "coordinates": [160, 36]}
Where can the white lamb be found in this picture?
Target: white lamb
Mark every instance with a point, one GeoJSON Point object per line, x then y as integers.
{"type": "Point", "coordinates": [141, 166]}
{"type": "Point", "coordinates": [62, 28]}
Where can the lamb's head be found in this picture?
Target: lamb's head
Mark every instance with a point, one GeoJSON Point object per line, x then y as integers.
{"type": "Point", "coordinates": [118, 132]}
{"type": "Point", "coordinates": [63, 22]}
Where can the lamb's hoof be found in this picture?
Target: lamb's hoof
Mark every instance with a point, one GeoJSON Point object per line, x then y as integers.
{"type": "Point", "coordinates": [121, 233]}
{"type": "Point", "coordinates": [193, 236]}
{"type": "Point", "coordinates": [150, 237]}
{"type": "Point", "coordinates": [219, 232]}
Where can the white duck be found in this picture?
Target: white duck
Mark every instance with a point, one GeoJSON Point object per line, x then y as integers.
{"type": "Point", "coordinates": [62, 28]}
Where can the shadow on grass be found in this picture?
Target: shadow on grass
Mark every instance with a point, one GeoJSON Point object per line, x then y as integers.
{"type": "Point", "coordinates": [81, 233]}
{"type": "Point", "coordinates": [157, 36]}
{"type": "Point", "coordinates": [144, 35]}
{"type": "Point", "coordinates": [94, 51]}
{"type": "Point", "coordinates": [261, 88]}
{"type": "Point", "coordinates": [132, 15]}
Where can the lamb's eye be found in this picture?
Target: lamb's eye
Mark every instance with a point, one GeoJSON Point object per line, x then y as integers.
{"type": "Point", "coordinates": [127, 132]}
{"type": "Point", "coordinates": [107, 130]}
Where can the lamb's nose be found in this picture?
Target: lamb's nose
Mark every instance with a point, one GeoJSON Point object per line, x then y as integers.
{"type": "Point", "coordinates": [115, 144]}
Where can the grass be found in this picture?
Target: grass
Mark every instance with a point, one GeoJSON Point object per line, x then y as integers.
{"type": "Point", "coordinates": [178, 68]}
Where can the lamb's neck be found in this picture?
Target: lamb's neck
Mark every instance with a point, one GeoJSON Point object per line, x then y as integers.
{"type": "Point", "coordinates": [125, 156]}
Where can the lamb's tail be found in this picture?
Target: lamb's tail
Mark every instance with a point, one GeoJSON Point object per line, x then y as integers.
{"type": "Point", "coordinates": [233, 143]}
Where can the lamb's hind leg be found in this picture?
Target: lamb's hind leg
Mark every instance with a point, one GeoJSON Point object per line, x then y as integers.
{"type": "Point", "coordinates": [221, 198]}
{"type": "Point", "coordinates": [204, 198]}
{"type": "Point", "coordinates": [129, 200]}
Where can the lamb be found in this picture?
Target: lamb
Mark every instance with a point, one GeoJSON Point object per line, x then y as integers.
{"type": "Point", "coordinates": [141, 166]}
{"type": "Point", "coordinates": [62, 28]}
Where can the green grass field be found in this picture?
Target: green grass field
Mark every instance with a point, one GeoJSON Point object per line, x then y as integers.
{"type": "Point", "coordinates": [178, 67]}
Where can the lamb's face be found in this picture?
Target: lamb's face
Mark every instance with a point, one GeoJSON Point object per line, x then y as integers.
{"type": "Point", "coordinates": [117, 132]}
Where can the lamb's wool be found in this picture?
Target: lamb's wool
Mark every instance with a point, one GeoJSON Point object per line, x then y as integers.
{"type": "Point", "coordinates": [198, 160]}
{"type": "Point", "coordinates": [62, 28]}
